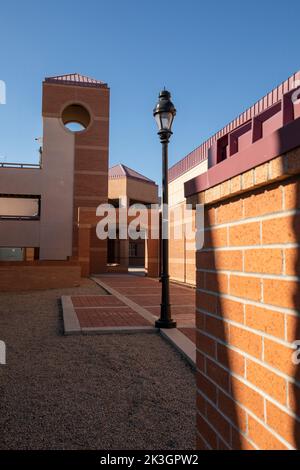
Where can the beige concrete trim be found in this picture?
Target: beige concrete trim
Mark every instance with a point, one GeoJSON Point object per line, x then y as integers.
{"type": "Point", "coordinates": [90, 172]}
{"type": "Point", "coordinates": [101, 118]}
{"type": "Point", "coordinates": [183, 344]}
{"type": "Point", "coordinates": [71, 323]}
{"type": "Point", "coordinates": [91, 198]}
{"type": "Point", "coordinates": [92, 147]}
{"type": "Point", "coordinates": [137, 308]}
{"type": "Point", "coordinates": [51, 115]}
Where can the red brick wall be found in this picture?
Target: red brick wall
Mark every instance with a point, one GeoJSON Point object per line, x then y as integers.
{"type": "Point", "coordinates": [37, 275]}
{"type": "Point", "coordinates": [248, 300]}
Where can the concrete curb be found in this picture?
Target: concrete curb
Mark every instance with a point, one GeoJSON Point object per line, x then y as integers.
{"type": "Point", "coordinates": [183, 344]}
{"type": "Point", "coordinates": [71, 322]}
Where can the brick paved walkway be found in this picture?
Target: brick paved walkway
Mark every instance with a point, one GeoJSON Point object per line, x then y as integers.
{"type": "Point", "coordinates": [131, 305]}
{"type": "Point", "coordinates": [146, 293]}
{"type": "Point", "coordinates": [101, 311]}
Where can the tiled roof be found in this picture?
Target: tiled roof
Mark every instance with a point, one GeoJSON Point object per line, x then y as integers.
{"type": "Point", "coordinates": [122, 171]}
{"type": "Point", "coordinates": [76, 79]}
{"type": "Point", "coordinates": [201, 153]}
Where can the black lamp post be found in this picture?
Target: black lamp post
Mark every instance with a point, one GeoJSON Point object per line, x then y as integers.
{"type": "Point", "coordinates": [164, 114]}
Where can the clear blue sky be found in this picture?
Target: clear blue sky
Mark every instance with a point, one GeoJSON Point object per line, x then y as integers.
{"type": "Point", "coordinates": [216, 58]}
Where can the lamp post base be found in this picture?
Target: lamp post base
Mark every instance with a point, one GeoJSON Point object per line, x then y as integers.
{"type": "Point", "coordinates": [165, 324]}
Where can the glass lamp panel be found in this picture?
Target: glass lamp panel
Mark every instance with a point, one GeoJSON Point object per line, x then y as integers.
{"type": "Point", "coordinates": [166, 119]}
{"type": "Point", "coordinates": [158, 121]}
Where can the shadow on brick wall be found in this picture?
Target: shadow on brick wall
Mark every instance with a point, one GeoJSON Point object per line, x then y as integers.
{"type": "Point", "coordinates": [213, 357]}
{"type": "Point", "coordinates": [215, 364]}
{"type": "Point", "coordinates": [295, 393]}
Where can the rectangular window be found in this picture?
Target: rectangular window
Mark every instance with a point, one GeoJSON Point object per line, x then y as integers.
{"type": "Point", "coordinates": [133, 250]}
{"type": "Point", "coordinates": [19, 207]}
{"type": "Point", "coordinates": [12, 254]}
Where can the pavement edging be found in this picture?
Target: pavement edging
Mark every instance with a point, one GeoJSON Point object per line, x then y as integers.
{"type": "Point", "coordinates": [71, 322]}
{"type": "Point", "coordinates": [180, 342]}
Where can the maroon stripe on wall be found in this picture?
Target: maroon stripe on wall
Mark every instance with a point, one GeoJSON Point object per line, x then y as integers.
{"type": "Point", "coordinates": [278, 143]}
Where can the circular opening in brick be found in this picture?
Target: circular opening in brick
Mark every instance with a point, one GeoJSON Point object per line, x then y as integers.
{"type": "Point", "coordinates": [76, 117]}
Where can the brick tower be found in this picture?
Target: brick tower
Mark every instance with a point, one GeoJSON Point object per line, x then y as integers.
{"type": "Point", "coordinates": [76, 128]}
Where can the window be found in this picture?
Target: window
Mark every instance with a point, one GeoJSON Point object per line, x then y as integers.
{"type": "Point", "coordinates": [133, 250]}
{"type": "Point", "coordinates": [11, 254]}
{"type": "Point", "coordinates": [19, 207]}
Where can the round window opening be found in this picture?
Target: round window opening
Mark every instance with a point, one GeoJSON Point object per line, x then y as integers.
{"type": "Point", "coordinates": [76, 118]}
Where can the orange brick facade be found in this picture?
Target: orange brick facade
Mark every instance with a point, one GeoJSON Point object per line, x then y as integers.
{"type": "Point", "coordinates": [38, 275]}
{"type": "Point", "coordinates": [248, 302]}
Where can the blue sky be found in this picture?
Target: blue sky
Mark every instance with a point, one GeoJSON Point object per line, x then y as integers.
{"type": "Point", "coordinates": [216, 58]}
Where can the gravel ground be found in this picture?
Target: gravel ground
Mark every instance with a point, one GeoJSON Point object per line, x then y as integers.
{"type": "Point", "coordinates": [96, 392]}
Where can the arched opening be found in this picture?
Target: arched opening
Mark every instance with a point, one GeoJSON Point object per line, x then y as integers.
{"type": "Point", "coordinates": [76, 118]}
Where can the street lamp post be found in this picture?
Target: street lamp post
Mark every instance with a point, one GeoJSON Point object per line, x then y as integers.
{"type": "Point", "coordinates": [164, 114]}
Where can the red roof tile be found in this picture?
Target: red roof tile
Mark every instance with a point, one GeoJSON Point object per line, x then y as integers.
{"type": "Point", "coordinates": [123, 171]}
{"type": "Point", "coordinates": [76, 79]}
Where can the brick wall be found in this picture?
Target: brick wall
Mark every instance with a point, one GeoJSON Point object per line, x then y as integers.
{"type": "Point", "coordinates": [182, 249]}
{"type": "Point", "coordinates": [248, 302]}
{"type": "Point", "coordinates": [38, 275]}
{"type": "Point", "coordinates": [90, 152]}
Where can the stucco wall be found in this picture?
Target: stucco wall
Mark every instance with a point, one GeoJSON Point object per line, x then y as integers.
{"type": "Point", "coordinates": [57, 191]}
{"type": "Point", "coordinates": [132, 189]}
{"type": "Point", "coordinates": [20, 234]}
{"type": "Point", "coordinates": [20, 181]}
{"type": "Point", "coordinates": [117, 187]}
{"type": "Point", "coordinates": [176, 187]}
{"type": "Point", "coordinates": [54, 183]}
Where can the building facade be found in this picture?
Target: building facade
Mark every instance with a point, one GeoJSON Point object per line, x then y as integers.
{"type": "Point", "coordinates": [247, 275]}
{"type": "Point", "coordinates": [40, 204]}
{"type": "Point", "coordinates": [126, 188]}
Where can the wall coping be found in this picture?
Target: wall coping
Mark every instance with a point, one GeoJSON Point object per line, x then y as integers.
{"type": "Point", "coordinates": [200, 154]}
{"type": "Point", "coordinates": [274, 157]}
{"type": "Point", "coordinates": [279, 168]}
{"type": "Point", "coordinates": [40, 263]}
